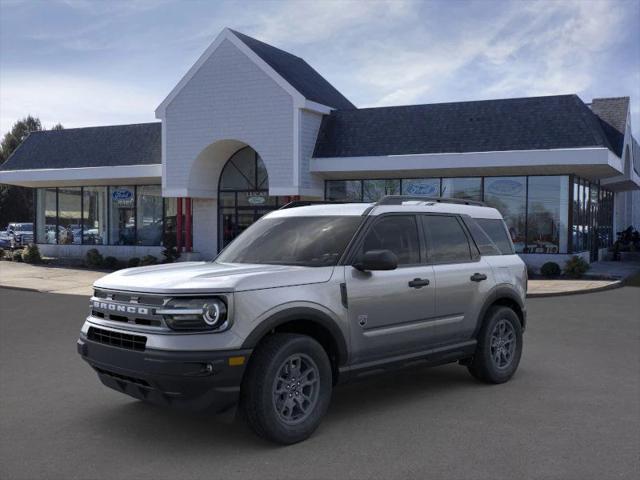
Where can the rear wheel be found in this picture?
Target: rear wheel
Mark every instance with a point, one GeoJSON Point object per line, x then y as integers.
{"type": "Point", "coordinates": [287, 388]}
{"type": "Point", "coordinates": [499, 346]}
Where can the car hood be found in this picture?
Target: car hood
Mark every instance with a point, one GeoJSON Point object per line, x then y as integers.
{"type": "Point", "coordinates": [203, 277]}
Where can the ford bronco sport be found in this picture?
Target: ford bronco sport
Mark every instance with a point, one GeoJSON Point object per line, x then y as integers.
{"type": "Point", "coordinates": [310, 296]}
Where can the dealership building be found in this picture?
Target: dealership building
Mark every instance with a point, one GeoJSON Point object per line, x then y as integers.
{"type": "Point", "coordinates": [251, 127]}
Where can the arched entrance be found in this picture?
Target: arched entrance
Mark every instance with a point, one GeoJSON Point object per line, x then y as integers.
{"type": "Point", "coordinates": [243, 194]}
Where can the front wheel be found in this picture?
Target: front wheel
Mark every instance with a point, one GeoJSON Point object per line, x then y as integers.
{"type": "Point", "coordinates": [499, 346]}
{"type": "Point", "coordinates": [287, 388]}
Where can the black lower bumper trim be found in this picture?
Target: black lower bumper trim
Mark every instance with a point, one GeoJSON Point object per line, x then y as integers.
{"type": "Point", "coordinates": [193, 380]}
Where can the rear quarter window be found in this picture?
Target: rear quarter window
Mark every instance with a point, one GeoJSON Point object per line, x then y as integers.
{"type": "Point", "coordinates": [497, 232]}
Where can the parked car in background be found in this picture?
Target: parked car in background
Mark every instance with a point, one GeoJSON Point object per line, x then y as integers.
{"type": "Point", "coordinates": [18, 235]}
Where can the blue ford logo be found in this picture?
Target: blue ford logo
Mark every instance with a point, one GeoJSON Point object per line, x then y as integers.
{"type": "Point", "coordinates": [505, 187]}
{"type": "Point", "coordinates": [122, 194]}
{"type": "Point", "coordinates": [422, 189]}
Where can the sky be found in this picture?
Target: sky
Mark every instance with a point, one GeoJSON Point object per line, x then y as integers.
{"type": "Point", "coordinates": [101, 62]}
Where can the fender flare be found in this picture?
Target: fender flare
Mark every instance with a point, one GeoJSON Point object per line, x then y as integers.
{"type": "Point", "coordinates": [300, 313]}
{"type": "Point", "coordinates": [497, 293]}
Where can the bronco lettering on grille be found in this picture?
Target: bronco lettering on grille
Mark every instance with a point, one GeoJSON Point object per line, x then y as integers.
{"type": "Point", "coordinates": [115, 307]}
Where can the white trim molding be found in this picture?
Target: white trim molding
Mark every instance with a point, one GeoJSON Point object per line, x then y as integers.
{"type": "Point", "coordinates": [65, 177]}
{"type": "Point", "coordinates": [592, 162]}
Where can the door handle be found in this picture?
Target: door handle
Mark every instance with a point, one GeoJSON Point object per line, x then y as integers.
{"type": "Point", "coordinates": [478, 277]}
{"type": "Point", "coordinates": [418, 283]}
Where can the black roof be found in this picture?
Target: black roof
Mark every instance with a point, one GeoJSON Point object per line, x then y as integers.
{"type": "Point", "coordinates": [111, 146]}
{"type": "Point", "coordinates": [533, 123]}
{"type": "Point", "coordinates": [298, 73]}
{"type": "Point", "coordinates": [612, 113]}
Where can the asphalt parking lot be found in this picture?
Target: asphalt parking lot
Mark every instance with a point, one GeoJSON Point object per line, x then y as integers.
{"type": "Point", "coordinates": [572, 411]}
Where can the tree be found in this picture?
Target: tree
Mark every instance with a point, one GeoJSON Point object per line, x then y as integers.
{"type": "Point", "coordinates": [16, 203]}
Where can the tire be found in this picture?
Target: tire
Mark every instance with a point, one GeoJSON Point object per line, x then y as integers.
{"type": "Point", "coordinates": [276, 409]}
{"type": "Point", "coordinates": [497, 363]}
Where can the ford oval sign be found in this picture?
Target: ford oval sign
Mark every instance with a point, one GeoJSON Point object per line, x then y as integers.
{"type": "Point", "coordinates": [426, 189]}
{"type": "Point", "coordinates": [122, 195]}
{"type": "Point", "coordinates": [256, 199]}
{"type": "Point", "coordinates": [505, 187]}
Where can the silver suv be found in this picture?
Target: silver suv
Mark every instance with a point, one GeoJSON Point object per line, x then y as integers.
{"type": "Point", "coordinates": [310, 296]}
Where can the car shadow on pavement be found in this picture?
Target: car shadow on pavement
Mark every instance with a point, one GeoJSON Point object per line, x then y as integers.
{"type": "Point", "coordinates": [137, 421]}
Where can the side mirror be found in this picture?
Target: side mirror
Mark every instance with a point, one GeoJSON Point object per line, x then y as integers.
{"type": "Point", "coordinates": [377, 260]}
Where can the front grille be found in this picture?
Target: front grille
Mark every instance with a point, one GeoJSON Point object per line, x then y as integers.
{"type": "Point", "coordinates": [129, 308]}
{"type": "Point", "coordinates": [117, 339]}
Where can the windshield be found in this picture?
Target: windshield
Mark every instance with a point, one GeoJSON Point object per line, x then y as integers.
{"type": "Point", "coordinates": [305, 241]}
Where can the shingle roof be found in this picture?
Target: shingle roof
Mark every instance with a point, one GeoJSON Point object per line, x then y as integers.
{"type": "Point", "coordinates": [110, 146]}
{"type": "Point", "coordinates": [298, 73]}
{"type": "Point", "coordinates": [533, 123]}
{"type": "Point", "coordinates": [613, 116]}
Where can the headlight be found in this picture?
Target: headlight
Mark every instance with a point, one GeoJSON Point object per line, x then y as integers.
{"type": "Point", "coordinates": [196, 314]}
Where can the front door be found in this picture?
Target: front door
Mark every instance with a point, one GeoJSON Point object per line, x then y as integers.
{"type": "Point", "coordinates": [390, 312]}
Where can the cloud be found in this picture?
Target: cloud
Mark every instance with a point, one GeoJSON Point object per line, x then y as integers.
{"type": "Point", "coordinates": [532, 48]}
{"type": "Point", "coordinates": [295, 22]}
{"type": "Point", "coordinates": [377, 53]}
{"type": "Point", "coordinates": [73, 101]}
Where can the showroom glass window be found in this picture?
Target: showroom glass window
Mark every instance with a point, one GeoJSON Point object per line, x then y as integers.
{"type": "Point", "coordinates": [70, 216]}
{"type": "Point", "coordinates": [149, 215]}
{"type": "Point", "coordinates": [466, 188]}
{"type": "Point", "coordinates": [94, 216]}
{"type": "Point", "coordinates": [243, 194]}
{"type": "Point", "coordinates": [46, 215]}
{"type": "Point", "coordinates": [428, 187]}
{"type": "Point", "coordinates": [122, 217]}
{"type": "Point", "coordinates": [344, 190]}
{"type": "Point", "coordinates": [509, 196]}
{"type": "Point", "coordinates": [547, 214]}
{"type": "Point", "coordinates": [374, 190]}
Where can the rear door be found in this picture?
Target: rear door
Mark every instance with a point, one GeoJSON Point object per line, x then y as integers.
{"type": "Point", "coordinates": [390, 311]}
{"type": "Point", "coordinates": [463, 278]}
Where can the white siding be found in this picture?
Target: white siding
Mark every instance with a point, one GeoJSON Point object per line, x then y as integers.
{"type": "Point", "coordinates": [229, 97]}
{"type": "Point", "coordinates": [205, 227]}
{"type": "Point", "coordinates": [309, 126]}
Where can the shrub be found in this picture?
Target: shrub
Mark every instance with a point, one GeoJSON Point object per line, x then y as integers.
{"type": "Point", "coordinates": [31, 254]}
{"type": "Point", "coordinates": [550, 269]}
{"type": "Point", "coordinates": [576, 267]}
{"type": "Point", "coordinates": [16, 256]}
{"type": "Point", "coordinates": [94, 258]}
{"type": "Point", "coordinates": [1, 254]}
{"type": "Point", "coordinates": [133, 262]}
{"type": "Point", "coordinates": [110, 263]}
{"type": "Point", "coordinates": [148, 260]}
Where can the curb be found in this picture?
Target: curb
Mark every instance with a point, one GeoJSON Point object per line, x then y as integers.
{"type": "Point", "coordinates": [611, 286]}
{"type": "Point", "coordinates": [24, 289]}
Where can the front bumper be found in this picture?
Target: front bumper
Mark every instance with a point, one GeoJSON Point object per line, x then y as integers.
{"type": "Point", "coordinates": [192, 380]}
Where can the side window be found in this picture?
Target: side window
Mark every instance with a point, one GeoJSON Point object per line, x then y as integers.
{"type": "Point", "coordinates": [446, 240]}
{"type": "Point", "coordinates": [484, 243]}
{"type": "Point", "coordinates": [497, 231]}
{"type": "Point", "coordinates": [398, 233]}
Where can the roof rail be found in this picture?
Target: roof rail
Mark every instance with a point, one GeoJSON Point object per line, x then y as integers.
{"type": "Point", "coordinates": [306, 203]}
{"type": "Point", "coordinates": [399, 199]}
